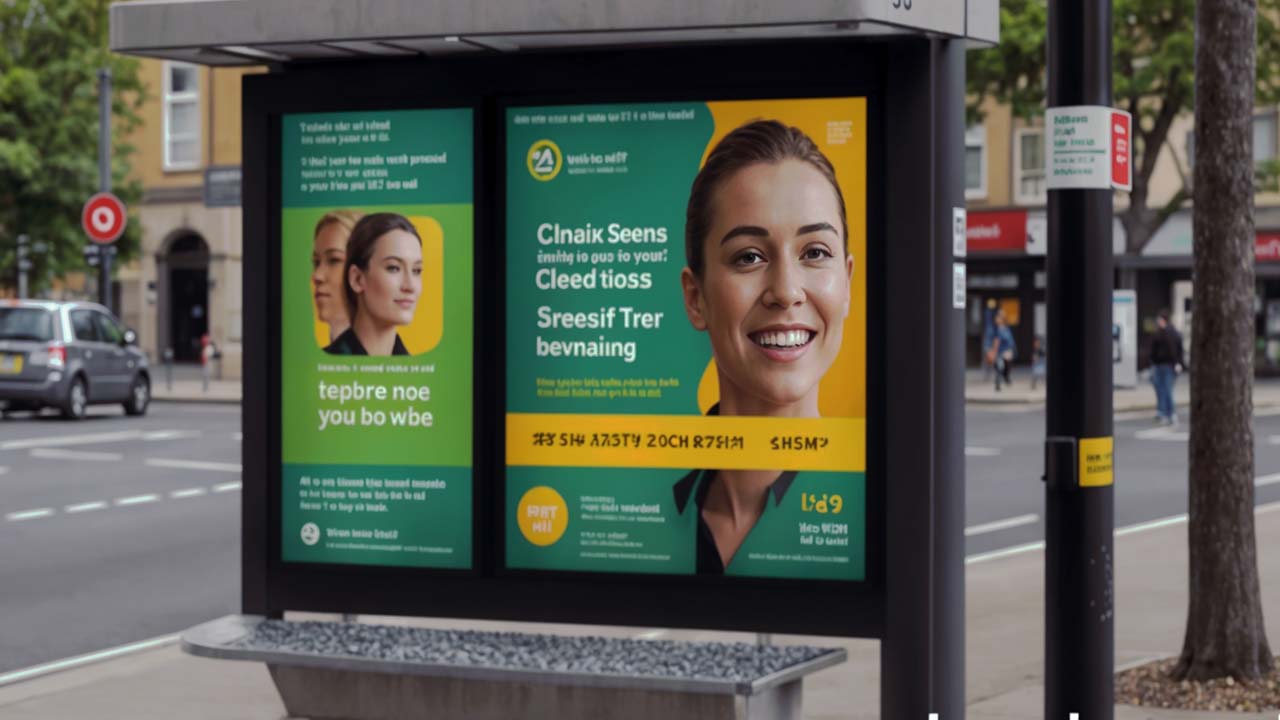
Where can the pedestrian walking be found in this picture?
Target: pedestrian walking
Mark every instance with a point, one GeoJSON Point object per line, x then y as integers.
{"type": "Point", "coordinates": [1002, 350]}
{"type": "Point", "coordinates": [1166, 362]}
{"type": "Point", "coordinates": [1039, 360]}
{"type": "Point", "coordinates": [988, 332]}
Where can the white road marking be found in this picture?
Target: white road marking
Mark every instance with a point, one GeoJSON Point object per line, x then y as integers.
{"type": "Point", "coordinates": [193, 465]}
{"type": "Point", "coordinates": [57, 665]}
{"type": "Point", "coordinates": [29, 514]}
{"type": "Point", "coordinates": [226, 487]}
{"type": "Point", "coordinates": [89, 439]}
{"type": "Point", "coordinates": [187, 493]}
{"type": "Point", "coordinates": [1121, 532]}
{"type": "Point", "coordinates": [1163, 434]}
{"type": "Point", "coordinates": [973, 451]}
{"type": "Point", "coordinates": [86, 507]}
{"type": "Point", "coordinates": [237, 436]}
{"type": "Point", "coordinates": [169, 434]}
{"type": "Point", "coordinates": [1271, 479]}
{"type": "Point", "coordinates": [56, 454]}
{"type": "Point", "coordinates": [3, 470]}
{"type": "Point", "coordinates": [137, 499]}
{"type": "Point", "coordinates": [1273, 439]}
{"type": "Point", "coordinates": [1005, 524]}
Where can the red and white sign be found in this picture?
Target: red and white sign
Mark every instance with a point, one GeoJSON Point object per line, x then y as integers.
{"type": "Point", "coordinates": [103, 218]}
{"type": "Point", "coordinates": [1121, 153]}
{"type": "Point", "coordinates": [1088, 147]}
{"type": "Point", "coordinates": [1266, 246]}
{"type": "Point", "coordinates": [997, 231]}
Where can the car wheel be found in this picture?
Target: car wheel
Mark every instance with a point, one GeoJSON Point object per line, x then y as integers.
{"type": "Point", "coordinates": [77, 400]}
{"type": "Point", "coordinates": [139, 397]}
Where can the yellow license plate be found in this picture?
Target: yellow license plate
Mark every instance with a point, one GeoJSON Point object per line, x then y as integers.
{"type": "Point", "coordinates": [10, 364]}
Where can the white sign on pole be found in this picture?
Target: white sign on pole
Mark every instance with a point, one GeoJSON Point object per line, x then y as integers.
{"type": "Point", "coordinates": [959, 231]}
{"type": "Point", "coordinates": [1124, 338]}
{"type": "Point", "coordinates": [958, 285]}
{"type": "Point", "coordinates": [1087, 147]}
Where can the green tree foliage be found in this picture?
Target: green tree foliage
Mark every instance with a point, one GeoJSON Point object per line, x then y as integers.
{"type": "Point", "coordinates": [50, 54]}
{"type": "Point", "coordinates": [1153, 65]}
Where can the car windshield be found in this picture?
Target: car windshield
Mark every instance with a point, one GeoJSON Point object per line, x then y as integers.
{"type": "Point", "coordinates": [26, 324]}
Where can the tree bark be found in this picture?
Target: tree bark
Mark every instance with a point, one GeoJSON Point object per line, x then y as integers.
{"type": "Point", "coordinates": [1225, 635]}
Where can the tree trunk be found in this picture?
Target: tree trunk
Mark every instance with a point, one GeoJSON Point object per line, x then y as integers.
{"type": "Point", "coordinates": [1225, 635]}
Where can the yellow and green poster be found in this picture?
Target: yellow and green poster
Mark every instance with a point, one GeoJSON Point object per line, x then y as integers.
{"type": "Point", "coordinates": [686, 338]}
{"type": "Point", "coordinates": [376, 337]}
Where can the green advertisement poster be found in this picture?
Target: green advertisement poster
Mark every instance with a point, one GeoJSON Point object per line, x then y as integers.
{"type": "Point", "coordinates": [686, 338]}
{"type": "Point", "coordinates": [376, 337]}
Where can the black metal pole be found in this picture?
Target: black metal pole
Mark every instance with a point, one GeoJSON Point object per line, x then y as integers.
{"type": "Point", "coordinates": [1079, 562]}
{"type": "Point", "coordinates": [104, 177]}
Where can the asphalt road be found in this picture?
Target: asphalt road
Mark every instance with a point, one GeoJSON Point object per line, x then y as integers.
{"type": "Point", "coordinates": [116, 530]}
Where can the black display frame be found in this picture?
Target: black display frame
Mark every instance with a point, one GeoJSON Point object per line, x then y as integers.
{"type": "Point", "coordinates": [489, 590]}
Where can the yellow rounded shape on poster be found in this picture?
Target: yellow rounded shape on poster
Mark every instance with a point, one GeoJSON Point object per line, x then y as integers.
{"type": "Point", "coordinates": [542, 516]}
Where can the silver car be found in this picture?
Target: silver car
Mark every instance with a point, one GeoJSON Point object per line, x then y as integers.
{"type": "Point", "coordinates": [69, 355]}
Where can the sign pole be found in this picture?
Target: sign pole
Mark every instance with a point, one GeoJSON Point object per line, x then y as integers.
{"type": "Point", "coordinates": [104, 178]}
{"type": "Point", "coordinates": [1079, 562]}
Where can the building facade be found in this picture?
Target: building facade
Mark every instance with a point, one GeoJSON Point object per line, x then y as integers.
{"type": "Point", "coordinates": [1007, 237]}
{"type": "Point", "coordinates": [186, 284]}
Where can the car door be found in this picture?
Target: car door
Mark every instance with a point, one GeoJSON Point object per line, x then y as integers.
{"type": "Point", "coordinates": [116, 363]}
{"type": "Point", "coordinates": [92, 353]}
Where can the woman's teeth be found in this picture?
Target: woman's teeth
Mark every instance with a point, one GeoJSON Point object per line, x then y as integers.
{"type": "Point", "coordinates": [783, 338]}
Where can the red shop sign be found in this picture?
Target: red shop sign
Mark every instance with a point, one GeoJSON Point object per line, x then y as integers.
{"type": "Point", "coordinates": [1266, 246]}
{"type": "Point", "coordinates": [997, 231]}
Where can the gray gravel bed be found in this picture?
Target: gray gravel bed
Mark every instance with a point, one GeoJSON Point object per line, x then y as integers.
{"type": "Point", "coordinates": [733, 662]}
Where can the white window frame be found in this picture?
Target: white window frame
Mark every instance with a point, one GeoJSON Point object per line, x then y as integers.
{"type": "Point", "coordinates": [1272, 116]}
{"type": "Point", "coordinates": [976, 135]}
{"type": "Point", "coordinates": [1019, 198]}
{"type": "Point", "coordinates": [170, 98]}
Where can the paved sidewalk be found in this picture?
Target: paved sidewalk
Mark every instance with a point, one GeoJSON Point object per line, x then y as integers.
{"type": "Point", "coordinates": [1005, 630]}
{"type": "Point", "coordinates": [981, 390]}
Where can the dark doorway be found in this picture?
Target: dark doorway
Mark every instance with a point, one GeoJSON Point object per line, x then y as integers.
{"type": "Point", "coordinates": [188, 264]}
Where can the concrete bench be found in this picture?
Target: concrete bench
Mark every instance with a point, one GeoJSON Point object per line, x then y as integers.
{"type": "Point", "coordinates": [378, 672]}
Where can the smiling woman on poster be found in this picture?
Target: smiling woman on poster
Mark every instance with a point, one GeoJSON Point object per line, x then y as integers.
{"type": "Point", "coordinates": [383, 273]}
{"type": "Point", "coordinates": [328, 259]}
{"type": "Point", "coordinates": [768, 279]}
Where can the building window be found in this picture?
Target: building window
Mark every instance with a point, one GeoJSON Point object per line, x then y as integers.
{"type": "Point", "coordinates": [181, 116]}
{"type": "Point", "coordinates": [975, 162]}
{"type": "Point", "coordinates": [1028, 166]}
{"type": "Point", "coordinates": [1265, 137]}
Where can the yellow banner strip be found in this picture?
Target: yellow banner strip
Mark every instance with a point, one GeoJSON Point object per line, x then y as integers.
{"type": "Point", "coordinates": [687, 441]}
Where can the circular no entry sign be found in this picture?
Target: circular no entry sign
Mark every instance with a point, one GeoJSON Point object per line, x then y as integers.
{"type": "Point", "coordinates": [103, 218]}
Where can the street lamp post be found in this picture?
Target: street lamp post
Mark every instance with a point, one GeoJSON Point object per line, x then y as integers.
{"type": "Point", "coordinates": [1079, 562]}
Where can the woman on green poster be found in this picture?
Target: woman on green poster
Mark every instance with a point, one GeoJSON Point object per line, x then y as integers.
{"type": "Point", "coordinates": [328, 258]}
{"type": "Point", "coordinates": [768, 279]}
{"type": "Point", "coordinates": [383, 274]}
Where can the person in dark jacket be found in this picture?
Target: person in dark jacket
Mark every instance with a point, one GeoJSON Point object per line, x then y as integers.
{"type": "Point", "coordinates": [1166, 363]}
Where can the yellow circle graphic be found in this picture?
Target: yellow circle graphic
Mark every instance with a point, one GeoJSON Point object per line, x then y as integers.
{"type": "Point", "coordinates": [542, 516]}
{"type": "Point", "coordinates": [544, 160]}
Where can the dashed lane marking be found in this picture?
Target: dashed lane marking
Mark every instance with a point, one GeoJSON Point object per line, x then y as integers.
{"type": "Point", "coordinates": [1163, 434]}
{"type": "Point", "coordinates": [226, 487]}
{"type": "Point", "coordinates": [86, 507]}
{"type": "Point", "coordinates": [194, 465]}
{"type": "Point", "coordinates": [33, 514]}
{"type": "Point", "coordinates": [188, 493]}
{"type": "Point", "coordinates": [998, 525]}
{"type": "Point", "coordinates": [81, 455]}
{"type": "Point", "coordinates": [87, 439]}
{"type": "Point", "coordinates": [137, 500]}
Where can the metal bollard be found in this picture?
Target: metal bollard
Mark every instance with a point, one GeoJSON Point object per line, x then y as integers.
{"type": "Point", "coordinates": [168, 368]}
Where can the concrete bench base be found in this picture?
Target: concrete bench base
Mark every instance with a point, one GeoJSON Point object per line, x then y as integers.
{"type": "Point", "coordinates": [352, 671]}
{"type": "Point", "coordinates": [346, 695]}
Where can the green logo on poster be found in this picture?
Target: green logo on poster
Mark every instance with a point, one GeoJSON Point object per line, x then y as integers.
{"type": "Point", "coordinates": [545, 160]}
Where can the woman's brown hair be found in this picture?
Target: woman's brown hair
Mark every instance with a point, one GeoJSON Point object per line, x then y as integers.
{"type": "Point", "coordinates": [759, 141]}
{"type": "Point", "coordinates": [364, 236]}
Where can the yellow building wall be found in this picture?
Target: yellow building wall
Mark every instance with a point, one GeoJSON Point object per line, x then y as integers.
{"type": "Point", "coordinates": [219, 125]}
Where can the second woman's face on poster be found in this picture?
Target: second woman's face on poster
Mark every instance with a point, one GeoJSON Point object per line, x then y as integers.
{"type": "Point", "coordinates": [328, 255]}
{"type": "Point", "coordinates": [775, 288]}
{"type": "Point", "coordinates": [390, 289]}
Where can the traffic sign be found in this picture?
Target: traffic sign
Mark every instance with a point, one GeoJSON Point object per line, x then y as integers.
{"type": "Point", "coordinates": [103, 218]}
